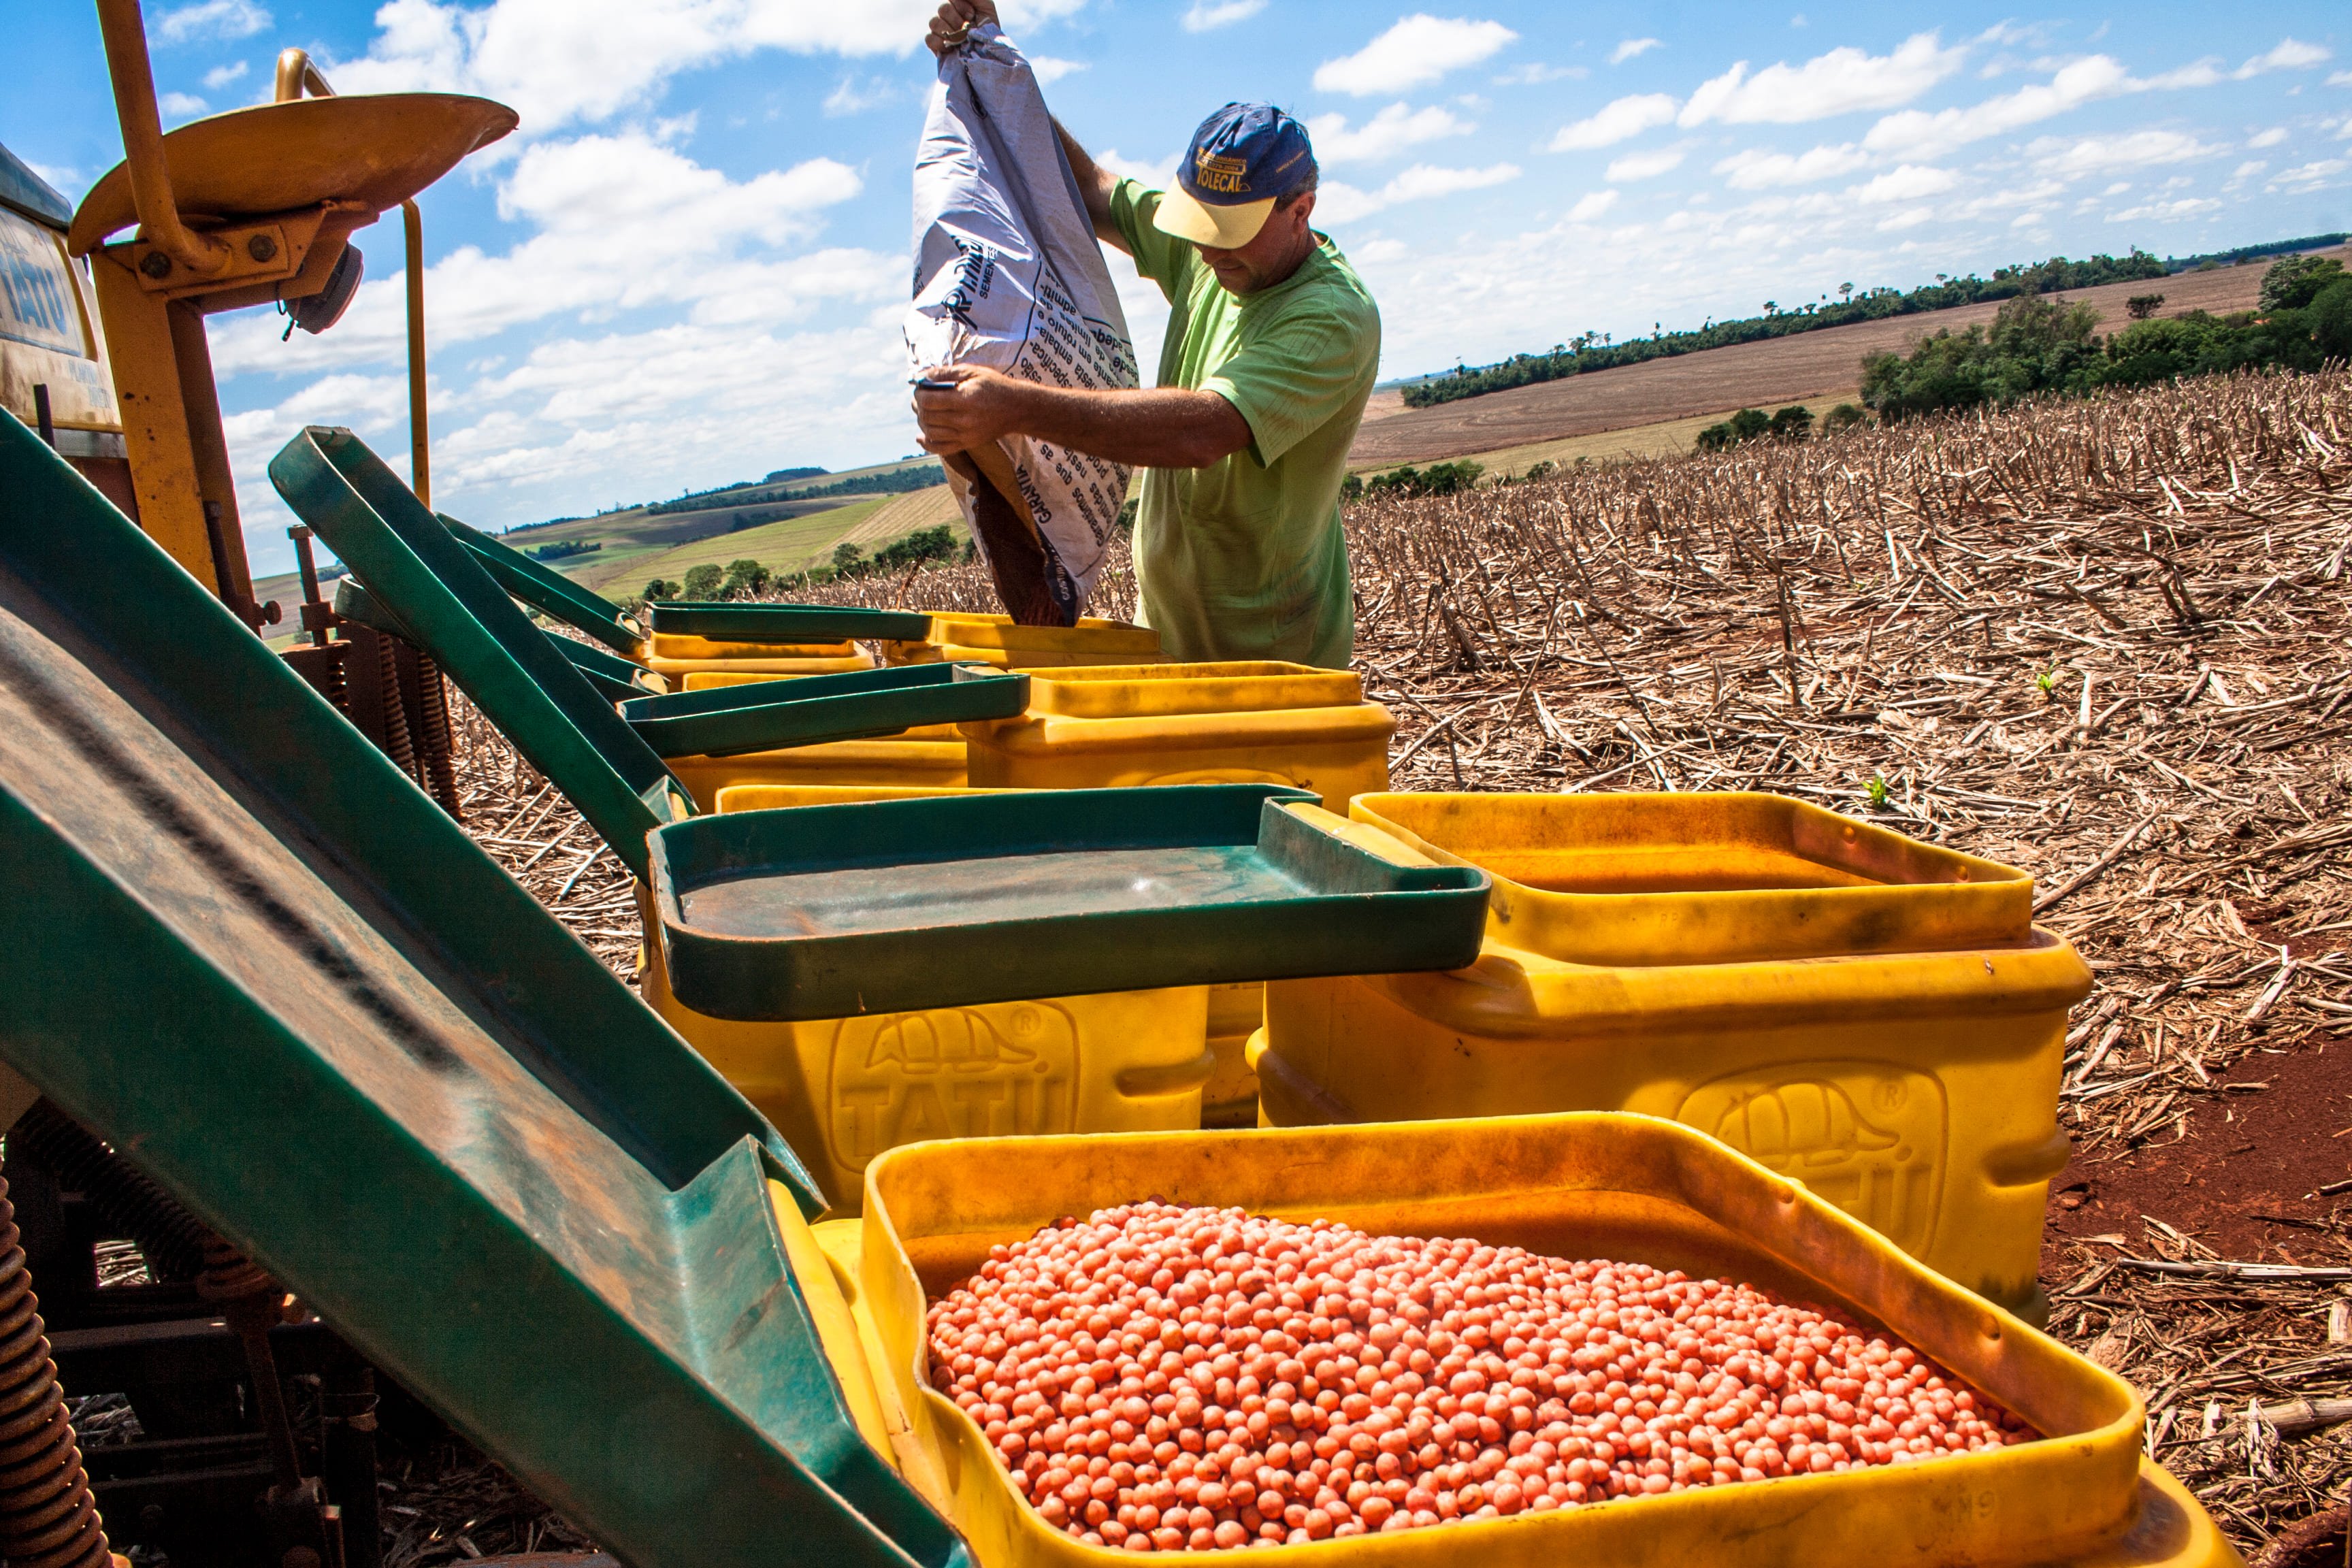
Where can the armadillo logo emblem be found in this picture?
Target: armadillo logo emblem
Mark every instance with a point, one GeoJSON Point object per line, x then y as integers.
{"type": "Point", "coordinates": [955, 1072]}
{"type": "Point", "coordinates": [1867, 1136]}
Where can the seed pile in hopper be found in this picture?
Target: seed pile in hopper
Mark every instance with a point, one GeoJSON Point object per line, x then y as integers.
{"type": "Point", "coordinates": [1167, 1378]}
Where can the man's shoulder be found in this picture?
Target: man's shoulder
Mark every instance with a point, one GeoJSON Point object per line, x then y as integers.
{"type": "Point", "coordinates": [1330, 285]}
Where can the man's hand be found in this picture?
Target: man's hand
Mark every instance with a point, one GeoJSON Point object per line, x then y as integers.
{"type": "Point", "coordinates": [977, 406]}
{"type": "Point", "coordinates": [956, 18]}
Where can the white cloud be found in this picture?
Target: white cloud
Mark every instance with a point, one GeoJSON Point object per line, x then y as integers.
{"type": "Point", "coordinates": [1421, 182]}
{"type": "Point", "coordinates": [1906, 183]}
{"type": "Point", "coordinates": [1839, 82]}
{"type": "Point", "coordinates": [2340, 79]}
{"type": "Point", "coordinates": [220, 76]}
{"type": "Point", "coordinates": [694, 238]}
{"type": "Point", "coordinates": [1535, 73]}
{"type": "Point", "coordinates": [1632, 48]}
{"type": "Point", "coordinates": [2132, 150]}
{"type": "Point", "coordinates": [2309, 176]}
{"type": "Point", "coordinates": [2271, 138]}
{"type": "Point", "coordinates": [856, 95]}
{"type": "Point", "coordinates": [1206, 15]}
{"type": "Point", "coordinates": [2166, 212]}
{"type": "Point", "coordinates": [1916, 132]}
{"type": "Point", "coordinates": [1420, 48]}
{"type": "Point", "coordinates": [1755, 171]}
{"type": "Point", "coordinates": [2249, 169]}
{"type": "Point", "coordinates": [180, 105]}
{"type": "Point", "coordinates": [1160, 175]}
{"type": "Point", "coordinates": [211, 19]}
{"type": "Point", "coordinates": [1616, 121]}
{"type": "Point", "coordinates": [2287, 55]}
{"type": "Point", "coordinates": [1910, 218]}
{"type": "Point", "coordinates": [1643, 165]}
{"type": "Point", "coordinates": [1050, 69]}
{"type": "Point", "coordinates": [556, 61]}
{"type": "Point", "coordinates": [1593, 205]}
{"type": "Point", "coordinates": [1385, 135]}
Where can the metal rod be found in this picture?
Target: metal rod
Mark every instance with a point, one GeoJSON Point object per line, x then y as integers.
{"type": "Point", "coordinates": [142, 143]}
{"type": "Point", "coordinates": [420, 473]}
{"type": "Point", "coordinates": [296, 73]}
{"type": "Point", "coordinates": [296, 76]}
{"type": "Point", "coordinates": [42, 423]}
{"type": "Point", "coordinates": [300, 534]}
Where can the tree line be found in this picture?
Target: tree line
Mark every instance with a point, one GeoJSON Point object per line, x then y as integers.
{"type": "Point", "coordinates": [2037, 345]}
{"type": "Point", "coordinates": [1591, 351]}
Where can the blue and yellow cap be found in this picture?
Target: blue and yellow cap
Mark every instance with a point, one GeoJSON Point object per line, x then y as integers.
{"type": "Point", "coordinates": [1243, 159]}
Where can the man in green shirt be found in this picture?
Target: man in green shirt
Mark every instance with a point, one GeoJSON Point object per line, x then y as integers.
{"type": "Point", "coordinates": [1272, 347]}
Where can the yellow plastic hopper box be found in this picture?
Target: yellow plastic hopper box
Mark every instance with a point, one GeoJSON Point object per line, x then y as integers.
{"type": "Point", "coordinates": [1875, 1017]}
{"type": "Point", "coordinates": [675, 657]}
{"type": "Point", "coordinates": [973, 638]}
{"type": "Point", "coordinates": [842, 1090]}
{"type": "Point", "coordinates": [1627, 1187]}
{"type": "Point", "coordinates": [1242, 723]}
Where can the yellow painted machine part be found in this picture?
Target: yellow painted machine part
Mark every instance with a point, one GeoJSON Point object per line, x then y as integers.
{"type": "Point", "coordinates": [929, 757]}
{"type": "Point", "coordinates": [1000, 658]}
{"type": "Point", "coordinates": [1702, 878]}
{"type": "Point", "coordinates": [1152, 690]}
{"type": "Point", "coordinates": [1160, 731]}
{"type": "Point", "coordinates": [679, 646]}
{"type": "Point", "coordinates": [842, 1090]}
{"type": "Point", "coordinates": [49, 334]}
{"type": "Point", "coordinates": [713, 680]}
{"type": "Point", "coordinates": [1578, 1185]}
{"type": "Point", "coordinates": [679, 670]}
{"type": "Point", "coordinates": [1916, 1091]}
{"type": "Point", "coordinates": [163, 416]}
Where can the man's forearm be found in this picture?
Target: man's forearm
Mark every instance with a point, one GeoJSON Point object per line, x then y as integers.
{"type": "Point", "coordinates": [1151, 427]}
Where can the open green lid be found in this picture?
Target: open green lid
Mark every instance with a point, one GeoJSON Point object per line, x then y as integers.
{"type": "Point", "coordinates": [549, 592]}
{"type": "Point", "coordinates": [854, 706]}
{"type": "Point", "coordinates": [826, 912]}
{"type": "Point", "coordinates": [414, 569]}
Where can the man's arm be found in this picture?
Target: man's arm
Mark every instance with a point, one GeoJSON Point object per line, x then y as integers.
{"type": "Point", "coordinates": [1145, 428]}
{"type": "Point", "coordinates": [1096, 184]}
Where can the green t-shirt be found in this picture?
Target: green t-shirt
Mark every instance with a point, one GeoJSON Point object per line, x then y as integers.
{"type": "Point", "coordinates": [1244, 559]}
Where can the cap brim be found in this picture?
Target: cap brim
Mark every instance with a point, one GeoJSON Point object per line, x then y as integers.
{"type": "Point", "coordinates": [1219, 227]}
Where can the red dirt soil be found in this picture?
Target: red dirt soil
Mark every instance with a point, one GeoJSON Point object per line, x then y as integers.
{"type": "Point", "coordinates": [1785, 370]}
{"type": "Point", "coordinates": [2247, 1156]}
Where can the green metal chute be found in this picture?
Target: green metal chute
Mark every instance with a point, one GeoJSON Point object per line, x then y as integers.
{"type": "Point", "coordinates": [249, 952]}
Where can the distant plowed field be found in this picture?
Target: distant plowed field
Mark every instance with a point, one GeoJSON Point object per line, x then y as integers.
{"type": "Point", "coordinates": [1786, 370]}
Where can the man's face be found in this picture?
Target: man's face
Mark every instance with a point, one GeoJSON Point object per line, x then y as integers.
{"type": "Point", "coordinates": [1272, 255]}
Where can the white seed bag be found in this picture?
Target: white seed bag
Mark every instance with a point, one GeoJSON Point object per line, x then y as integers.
{"type": "Point", "coordinates": [1008, 276]}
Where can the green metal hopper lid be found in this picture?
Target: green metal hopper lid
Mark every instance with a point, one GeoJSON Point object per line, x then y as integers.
{"type": "Point", "coordinates": [811, 708]}
{"type": "Point", "coordinates": [783, 623]}
{"type": "Point", "coordinates": [549, 592]}
{"type": "Point", "coordinates": [251, 954]}
{"type": "Point", "coordinates": [551, 697]}
{"type": "Point", "coordinates": [826, 912]}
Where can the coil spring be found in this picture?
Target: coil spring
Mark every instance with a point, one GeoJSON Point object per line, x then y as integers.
{"type": "Point", "coordinates": [435, 745]}
{"type": "Point", "coordinates": [168, 1237]}
{"type": "Point", "coordinates": [397, 742]}
{"type": "Point", "coordinates": [229, 1276]}
{"type": "Point", "coordinates": [48, 1517]}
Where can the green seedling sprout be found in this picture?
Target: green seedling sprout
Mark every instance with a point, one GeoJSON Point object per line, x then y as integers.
{"type": "Point", "coordinates": [1876, 790]}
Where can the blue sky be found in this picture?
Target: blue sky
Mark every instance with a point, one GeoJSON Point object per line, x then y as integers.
{"type": "Point", "coordinates": [689, 266]}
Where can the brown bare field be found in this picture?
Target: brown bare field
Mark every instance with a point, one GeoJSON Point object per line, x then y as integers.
{"type": "Point", "coordinates": [1670, 438]}
{"type": "Point", "coordinates": [1747, 376]}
